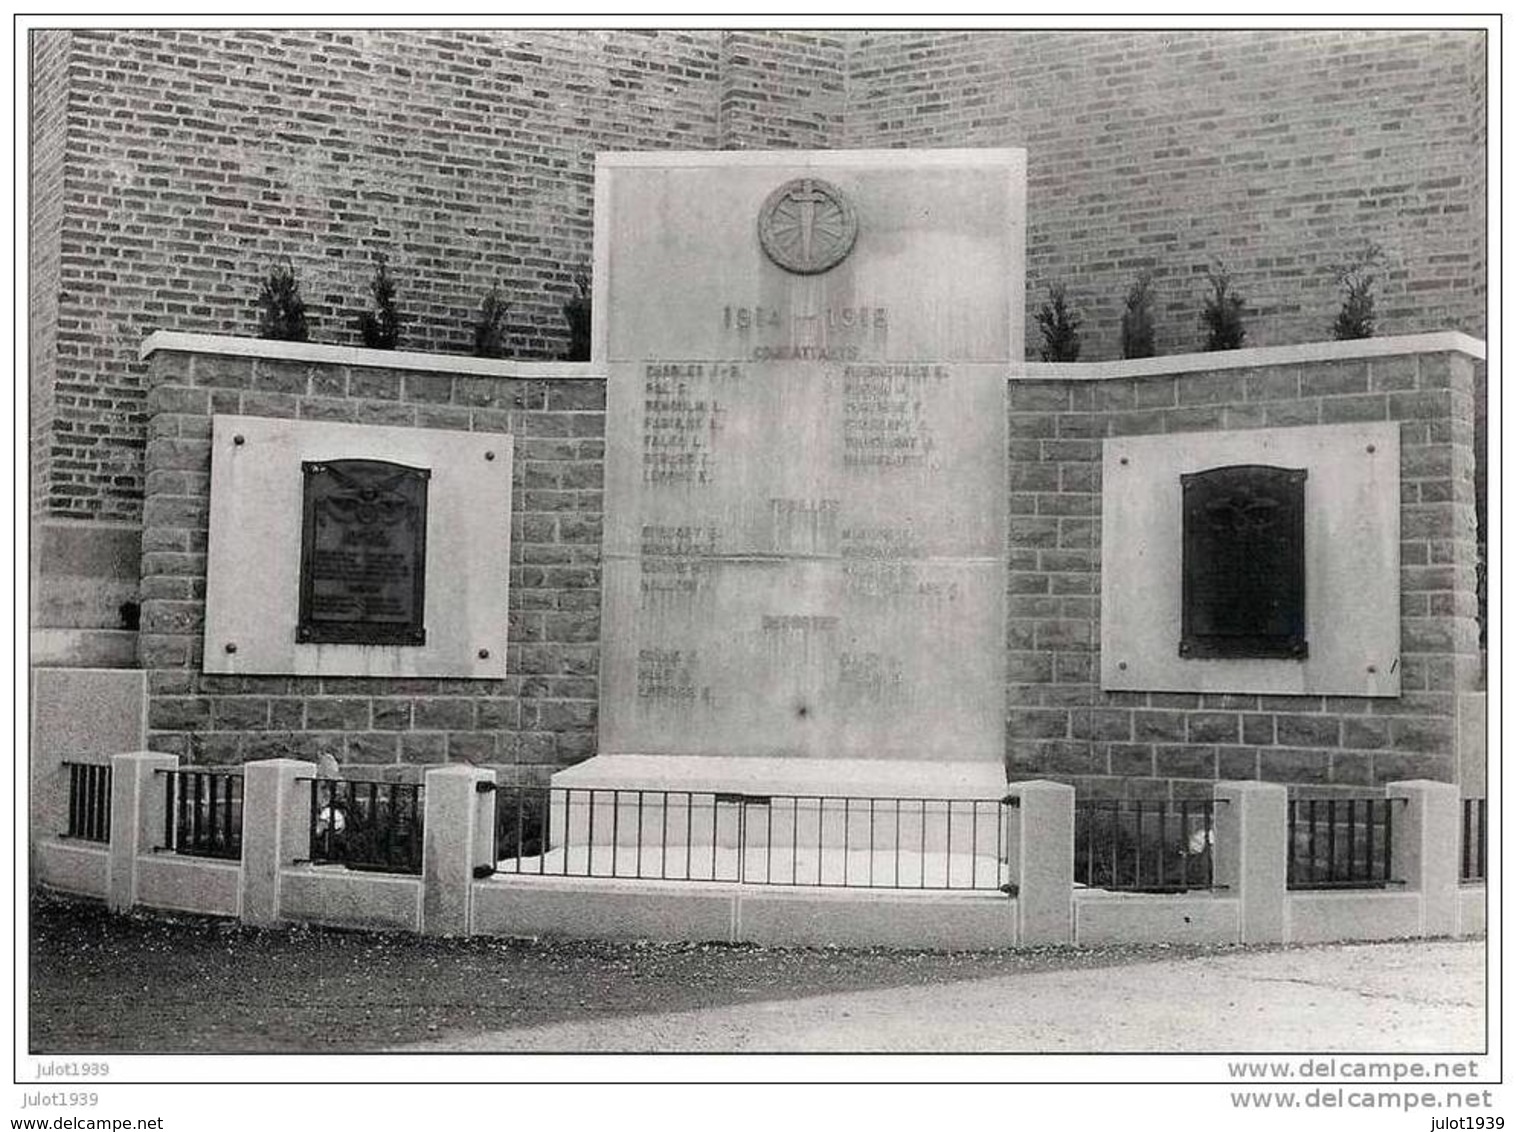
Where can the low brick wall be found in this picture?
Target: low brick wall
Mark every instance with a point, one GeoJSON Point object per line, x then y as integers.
{"type": "Point", "coordinates": [1061, 725]}
{"type": "Point", "coordinates": [539, 718]}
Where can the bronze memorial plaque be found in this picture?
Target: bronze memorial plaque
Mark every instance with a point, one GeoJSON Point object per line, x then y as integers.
{"type": "Point", "coordinates": [1244, 563]}
{"type": "Point", "coordinates": [363, 553]}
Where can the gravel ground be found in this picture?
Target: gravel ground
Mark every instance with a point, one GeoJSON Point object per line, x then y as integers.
{"type": "Point", "coordinates": [1423, 997]}
{"type": "Point", "coordinates": [164, 983]}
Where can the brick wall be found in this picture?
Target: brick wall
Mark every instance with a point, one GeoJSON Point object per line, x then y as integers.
{"type": "Point", "coordinates": [539, 718]}
{"type": "Point", "coordinates": [782, 91]}
{"type": "Point", "coordinates": [49, 93]}
{"type": "Point", "coordinates": [1279, 152]}
{"type": "Point", "coordinates": [1166, 745]}
{"type": "Point", "coordinates": [197, 157]}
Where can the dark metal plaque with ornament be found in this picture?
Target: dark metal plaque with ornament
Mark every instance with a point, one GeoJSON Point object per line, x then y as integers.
{"type": "Point", "coordinates": [1244, 563]}
{"type": "Point", "coordinates": [363, 553]}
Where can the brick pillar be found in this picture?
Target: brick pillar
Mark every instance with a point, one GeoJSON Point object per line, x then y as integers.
{"type": "Point", "coordinates": [1250, 855]}
{"type": "Point", "coordinates": [460, 836]}
{"type": "Point", "coordinates": [1041, 847]}
{"type": "Point", "coordinates": [1424, 850]}
{"type": "Point", "coordinates": [136, 819]}
{"type": "Point", "coordinates": [276, 831]}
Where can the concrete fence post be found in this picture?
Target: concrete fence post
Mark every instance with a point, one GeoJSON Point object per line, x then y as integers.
{"type": "Point", "coordinates": [1250, 855]}
{"type": "Point", "coordinates": [276, 832]}
{"type": "Point", "coordinates": [459, 837]}
{"type": "Point", "coordinates": [137, 808]}
{"type": "Point", "coordinates": [1041, 855]}
{"type": "Point", "coordinates": [1424, 849]}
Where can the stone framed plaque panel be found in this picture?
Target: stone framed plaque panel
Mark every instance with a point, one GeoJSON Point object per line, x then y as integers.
{"type": "Point", "coordinates": [1305, 566]}
{"type": "Point", "coordinates": [357, 550]}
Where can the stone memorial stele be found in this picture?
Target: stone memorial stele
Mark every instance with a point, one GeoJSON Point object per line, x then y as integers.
{"type": "Point", "coordinates": [807, 355]}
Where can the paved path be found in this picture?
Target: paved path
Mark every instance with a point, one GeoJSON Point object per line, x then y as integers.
{"type": "Point", "coordinates": [1411, 997]}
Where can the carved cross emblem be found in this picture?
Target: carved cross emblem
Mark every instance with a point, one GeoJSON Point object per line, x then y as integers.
{"type": "Point", "coordinates": [807, 226]}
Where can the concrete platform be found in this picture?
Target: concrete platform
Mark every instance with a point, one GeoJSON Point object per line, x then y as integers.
{"type": "Point", "coordinates": [858, 778]}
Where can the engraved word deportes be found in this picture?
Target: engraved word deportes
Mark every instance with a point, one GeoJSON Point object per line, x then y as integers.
{"type": "Point", "coordinates": [807, 226]}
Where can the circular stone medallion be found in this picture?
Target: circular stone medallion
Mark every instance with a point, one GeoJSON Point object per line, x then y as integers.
{"type": "Point", "coordinates": [807, 226]}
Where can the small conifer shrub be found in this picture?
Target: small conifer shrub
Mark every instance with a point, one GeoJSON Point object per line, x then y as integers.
{"type": "Point", "coordinates": [1137, 335]}
{"type": "Point", "coordinates": [281, 310]}
{"type": "Point", "coordinates": [576, 313]}
{"type": "Point", "coordinates": [1356, 318]}
{"type": "Point", "coordinates": [489, 326]}
{"type": "Point", "coordinates": [380, 326]}
{"type": "Point", "coordinates": [1222, 313]}
{"type": "Point", "coordinates": [1059, 325]}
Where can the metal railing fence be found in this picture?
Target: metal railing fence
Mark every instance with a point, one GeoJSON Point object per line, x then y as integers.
{"type": "Point", "coordinates": [815, 841]}
{"type": "Point", "coordinates": [89, 801]}
{"type": "Point", "coordinates": [202, 813]}
{"type": "Point", "coordinates": [1135, 846]}
{"type": "Point", "coordinates": [366, 824]}
{"type": "Point", "coordinates": [1474, 840]}
{"type": "Point", "coordinates": [1340, 842]}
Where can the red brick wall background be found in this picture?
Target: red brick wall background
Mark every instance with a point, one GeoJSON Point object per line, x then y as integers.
{"type": "Point", "coordinates": [540, 717]}
{"type": "Point", "coordinates": [175, 166]}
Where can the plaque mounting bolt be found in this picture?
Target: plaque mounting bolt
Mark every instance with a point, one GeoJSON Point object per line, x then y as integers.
{"type": "Point", "coordinates": [1373, 668]}
{"type": "Point", "coordinates": [231, 646]}
{"type": "Point", "coordinates": [1369, 449]}
{"type": "Point", "coordinates": [239, 440]}
{"type": "Point", "coordinates": [484, 654]}
{"type": "Point", "coordinates": [1121, 665]}
{"type": "Point", "coordinates": [489, 455]}
{"type": "Point", "coordinates": [1125, 461]}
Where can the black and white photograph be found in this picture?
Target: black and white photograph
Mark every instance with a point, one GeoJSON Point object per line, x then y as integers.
{"type": "Point", "coordinates": [769, 549]}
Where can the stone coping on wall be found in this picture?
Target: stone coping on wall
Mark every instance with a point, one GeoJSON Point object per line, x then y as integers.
{"type": "Point", "coordinates": [1436, 342]}
{"type": "Point", "coordinates": [230, 346]}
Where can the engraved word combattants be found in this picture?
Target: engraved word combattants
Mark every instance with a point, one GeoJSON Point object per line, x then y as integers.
{"type": "Point", "coordinates": [807, 226]}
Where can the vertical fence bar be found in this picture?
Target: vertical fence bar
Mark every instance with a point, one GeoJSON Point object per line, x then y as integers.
{"type": "Point", "coordinates": [847, 821]}
{"type": "Point", "coordinates": [1353, 837]}
{"type": "Point", "coordinates": [715, 833]}
{"type": "Point", "coordinates": [1331, 839]}
{"type": "Point", "coordinates": [1389, 839]}
{"type": "Point", "coordinates": [639, 834]}
{"type": "Point", "coordinates": [974, 845]}
{"type": "Point", "coordinates": [768, 843]}
{"type": "Point", "coordinates": [871, 842]}
{"type": "Point", "coordinates": [168, 810]}
{"type": "Point", "coordinates": [1163, 832]}
{"type": "Point", "coordinates": [197, 813]}
{"type": "Point", "coordinates": [820, 836]}
{"type": "Point", "coordinates": [1310, 817]}
{"type": "Point", "coordinates": [921, 870]}
{"type": "Point", "coordinates": [794, 839]}
{"type": "Point", "coordinates": [1482, 809]}
{"type": "Point", "coordinates": [897, 842]}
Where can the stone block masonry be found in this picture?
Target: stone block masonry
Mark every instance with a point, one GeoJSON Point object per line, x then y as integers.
{"type": "Point", "coordinates": [1175, 745]}
{"type": "Point", "coordinates": [539, 718]}
{"type": "Point", "coordinates": [1059, 724]}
